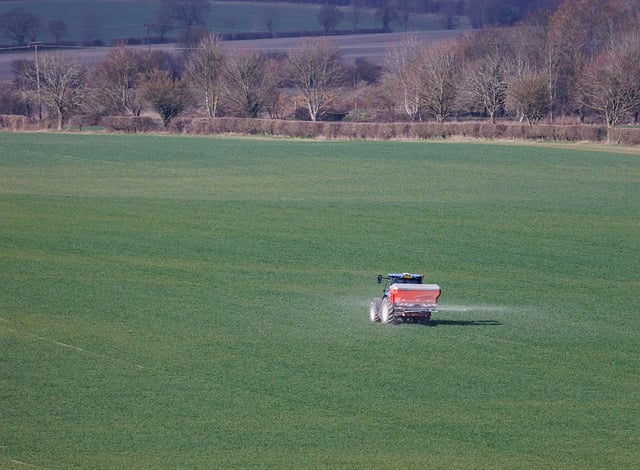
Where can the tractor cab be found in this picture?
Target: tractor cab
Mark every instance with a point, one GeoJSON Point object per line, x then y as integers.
{"type": "Point", "coordinates": [404, 278]}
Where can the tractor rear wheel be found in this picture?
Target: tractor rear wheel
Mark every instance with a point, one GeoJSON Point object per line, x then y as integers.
{"type": "Point", "coordinates": [386, 312]}
{"type": "Point", "coordinates": [374, 310]}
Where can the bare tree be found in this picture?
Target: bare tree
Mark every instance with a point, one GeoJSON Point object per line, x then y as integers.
{"type": "Point", "coordinates": [276, 102]}
{"type": "Point", "coordinates": [161, 23]}
{"type": "Point", "coordinates": [192, 35]}
{"type": "Point", "coordinates": [578, 31]}
{"type": "Point", "coordinates": [191, 15]}
{"type": "Point", "coordinates": [610, 83]}
{"type": "Point", "coordinates": [386, 13]}
{"type": "Point", "coordinates": [247, 85]}
{"type": "Point", "coordinates": [62, 84]}
{"type": "Point", "coordinates": [117, 78]}
{"type": "Point", "coordinates": [173, 64]}
{"type": "Point", "coordinates": [401, 80]}
{"type": "Point", "coordinates": [316, 69]}
{"type": "Point", "coordinates": [167, 96]}
{"type": "Point", "coordinates": [204, 71]}
{"type": "Point", "coordinates": [12, 101]}
{"type": "Point", "coordinates": [364, 70]}
{"type": "Point", "coordinates": [550, 68]}
{"type": "Point", "coordinates": [329, 16]}
{"type": "Point", "coordinates": [583, 27]}
{"type": "Point", "coordinates": [188, 12]}
{"type": "Point", "coordinates": [440, 66]}
{"type": "Point", "coordinates": [422, 79]}
{"type": "Point", "coordinates": [528, 96]}
{"type": "Point", "coordinates": [20, 25]}
{"type": "Point", "coordinates": [486, 84]}
{"type": "Point", "coordinates": [57, 28]}
{"type": "Point", "coordinates": [630, 63]}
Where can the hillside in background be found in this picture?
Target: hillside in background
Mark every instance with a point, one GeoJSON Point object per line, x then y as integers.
{"type": "Point", "coordinates": [104, 21]}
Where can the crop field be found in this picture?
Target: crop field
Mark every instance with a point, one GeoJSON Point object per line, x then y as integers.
{"type": "Point", "coordinates": [198, 302]}
{"type": "Point", "coordinates": [110, 19]}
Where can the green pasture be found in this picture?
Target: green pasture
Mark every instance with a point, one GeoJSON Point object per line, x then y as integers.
{"type": "Point", "coordinates": [110, 19]}
{"type": "Point", "coordinates": [197, 302]}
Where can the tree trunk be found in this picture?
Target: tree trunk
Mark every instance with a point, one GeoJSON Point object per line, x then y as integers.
{"type": "Point", "coordinates": [313, 113]}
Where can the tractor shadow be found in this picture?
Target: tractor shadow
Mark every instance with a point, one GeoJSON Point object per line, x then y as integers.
{"type": "Point", "coordinates": [433, 323]}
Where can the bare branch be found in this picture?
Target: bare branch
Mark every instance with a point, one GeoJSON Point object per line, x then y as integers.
{"type": "Point", "coordinates": [316, 69]}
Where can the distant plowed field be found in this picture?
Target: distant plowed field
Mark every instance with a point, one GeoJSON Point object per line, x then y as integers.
{"type": "Point", "coordinates": [369, 46]}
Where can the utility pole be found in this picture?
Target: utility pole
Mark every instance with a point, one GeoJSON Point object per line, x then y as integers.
{"type": "Point", "coordinates": [35, 46]}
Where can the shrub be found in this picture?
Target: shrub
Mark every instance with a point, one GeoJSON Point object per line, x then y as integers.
{"type": "Point", "coordinates": [487, 130]}
{"type": "Point", "coordinates": [353, 130]}
{"type": "Point", "coordinates": [359, 116]}
{"type": "Point", "coordinates": [626, 135]}
{"type": "Point", "coordinates": [431, 130]}
{"type": "Point", "coordinates": [14, 122]}
{"type": "Point", "coordinates": [130, 124]}
{"type": "Point", "coordinates": [469, 129]}
{"type": "Point", "coordinates": [357, 130]}
{"type": "Point", "coordinates": [83, 120]}
{"type": "Point", "coordinates": [579, 133]}
{"type": "Point", "coordinates": [181, 125]}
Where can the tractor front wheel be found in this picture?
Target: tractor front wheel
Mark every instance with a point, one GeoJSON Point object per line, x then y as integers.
{"type": "Point", "coordinates": [374, 310]}
{"type": "Point", "coordinates": [386, 313]}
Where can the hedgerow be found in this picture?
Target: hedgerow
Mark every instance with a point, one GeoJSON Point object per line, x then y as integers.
{"type": "Point", "coordinates": [355, 130]}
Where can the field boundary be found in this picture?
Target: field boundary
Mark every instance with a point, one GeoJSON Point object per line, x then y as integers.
{"type": "Point", "coordinates": [479, 130]}
{"type": "Point", "coordinates": [380, 131]}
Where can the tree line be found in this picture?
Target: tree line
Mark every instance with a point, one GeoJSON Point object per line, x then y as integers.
{"type": "Point", "coordinates": [578, 59]}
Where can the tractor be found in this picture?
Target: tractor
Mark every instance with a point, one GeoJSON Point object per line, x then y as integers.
{"type": "Point", "coordinates": [404, 298]}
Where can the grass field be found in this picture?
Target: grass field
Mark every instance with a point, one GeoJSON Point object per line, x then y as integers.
{"type": "Point", "coordinates": [110, 19]}
{"type": "Point", "coordinates": [172, 302]}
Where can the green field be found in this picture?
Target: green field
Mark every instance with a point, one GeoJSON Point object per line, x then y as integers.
{"type": "Point", "coordinates": [110, 19]}
{"type": "Point", "coordinates": [195, 302]}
